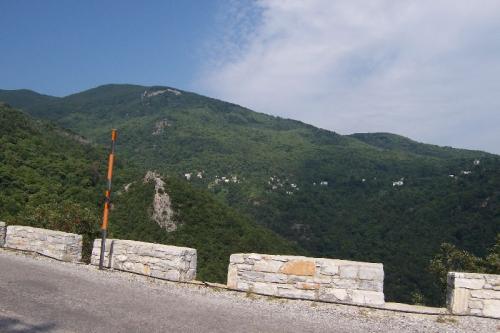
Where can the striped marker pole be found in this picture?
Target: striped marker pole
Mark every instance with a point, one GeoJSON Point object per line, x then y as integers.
{"type": "Point", "coordinates": [104, 226]}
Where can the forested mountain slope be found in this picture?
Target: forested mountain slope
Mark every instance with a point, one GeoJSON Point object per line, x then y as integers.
{"type": "Point", "coordinates": [52, 178]}
{"type": "Point", "coordinates": [372, 197]}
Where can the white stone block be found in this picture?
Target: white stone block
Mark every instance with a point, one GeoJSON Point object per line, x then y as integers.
{"type": "Point", "coordinates": [252, 276]}
{"type": "Point", "coordinates": [254, 256]}
{"type": "Point", "coordinates": [172, 275]}
{"type": "Point", "coordinates": [193, 262]}
{"type": "Point", "coordinates": [298, 278]}
{"type": "Point", "coordinates": [121, 257]}
{"type": "Point", "coordinates": [485, 294]}
{"type": "Point", "coordinates": [469, 283]}
{"type": "Point", "coordinates": [327, 268]}
{"type": "Point", "coordinates": [458, 300]}
{"type": "Point", "coordinates": [190, 275]}
{"type": "Point", "coordinates": [297, 293]}
{"type": "Point", "coordinates": [232, 276]}
{"type": "Point", "coordinates": [275, 278]}
{"type": "Point", "coordinates": [55, 244]}
{"type": "Point", "coordinates": [477, 304]}
{"type": "Point", "coordinates": [264, 288]}
{"type": "Point", "coordinates": [477, 312]}
{"type": "Point", "coordinates": [307, 286]}
{"type": "Point", "coordinates": [322, 279]}
{"type": "Point", "coordinates": [157, 260]}
{"type": "Point", "coordinates": [493, 280]}
{"type": "Point", "coordinates": [243, 286]}
{"type": "Point", "coordinates": [349, 271]}
{"type": "Point", "coordinates": [333, 295]}
{"type": "Point", "coordinates": [371, 285]}
{"type": "Point", "coordinates": [236, 258]}
{"type": "Point", "coordinates": [371, 273]}
{"type": "Point", "coordinates": [367, 297]}
{"type": "Point", "coordinates": [491, 308]}
{"type": "Point", "coordinates": [268, 265]}
{"type": "Point", "coordinates": [345, 283]}
{"type": "Point", "coordinates": [244, 267]}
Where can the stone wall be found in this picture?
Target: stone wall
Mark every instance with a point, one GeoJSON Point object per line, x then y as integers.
{"type": "Point", "coordinates": [3, 230]}
{"type": "Point", "coordinates": [474, 294]}
{"type": "Point", "coordinates": [55, 244]}
{"type": "Point", "coordinates": [155, 260]}
{"type": "Point", "coordinates": [319, 279]}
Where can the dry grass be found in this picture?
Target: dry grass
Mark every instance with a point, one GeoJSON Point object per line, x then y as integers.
{"type": "Point", "coordinates": [446, 320]}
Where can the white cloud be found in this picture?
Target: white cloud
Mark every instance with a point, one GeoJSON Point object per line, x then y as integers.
{"type": "Point", "coordinates": [425, 69]}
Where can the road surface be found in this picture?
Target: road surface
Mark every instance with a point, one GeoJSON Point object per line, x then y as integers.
{"type": "Point", "coordinates": [38, 294]}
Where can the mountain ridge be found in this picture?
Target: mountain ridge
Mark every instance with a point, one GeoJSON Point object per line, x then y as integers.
{"type": "Point", "coordinates": [18, 98]}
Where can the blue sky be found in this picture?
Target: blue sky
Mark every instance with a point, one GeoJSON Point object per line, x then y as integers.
{"type": "Point", "coordinates": [426, 69]}
{"type": "Point", "coordinates": [61, 47]}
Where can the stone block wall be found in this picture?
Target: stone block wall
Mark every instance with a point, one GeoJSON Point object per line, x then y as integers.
{"type": "Point", "coordinates": [156, 260]}
{"type": "Point", "coordinates": [3, 230]}
{"type": "Point", "coordinates": [319, 279]}
{"type": "Point", "coordinates": [474, 294]}
{"type": "Point", "coordinates": [55, 244]}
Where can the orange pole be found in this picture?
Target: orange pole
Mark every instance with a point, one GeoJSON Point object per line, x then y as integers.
{"type": "Point", "coordinates": [107, 200]}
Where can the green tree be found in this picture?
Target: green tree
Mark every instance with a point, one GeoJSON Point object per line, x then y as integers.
{"type": "Point", "coordinates": [452, 259]}
{"type": "Point", "coordinates": [64, 216]}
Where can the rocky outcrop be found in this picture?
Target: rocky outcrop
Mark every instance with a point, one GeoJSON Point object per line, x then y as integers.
{"type": "Point", "coordinates": [474, 294]}
{"type": "Point", "coordinates": [55, 244]}
{"type": "Point", "coordinates": [149, 94]}
{"type": "Point", "coordinates": [159, 126]}
{"type": "Point", "coordinates": [163, 213]}
{"type": "Point", "coordinates": [156, 260]}
{"type": "Point", "coordinates": [320, 279]}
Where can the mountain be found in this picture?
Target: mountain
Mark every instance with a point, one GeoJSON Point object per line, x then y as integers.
{"type": "Point", "coordinates": [388, 141]}
{"type": "Point", "coordinates": [370, 197]}
{"type": "Point", "coordinates": [53, 178]}
{"type": "Point", "coordinates": [24, 98]}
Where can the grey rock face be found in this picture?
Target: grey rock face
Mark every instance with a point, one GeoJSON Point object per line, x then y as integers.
{"type": "Point", "coordinates": [321, 279]}
{"type": "Point", "coordinates": [55, 244]}
{"type": "Point", "coordinates": [156, 260]}
{"type": "Point", "coordinates": [163, 213]}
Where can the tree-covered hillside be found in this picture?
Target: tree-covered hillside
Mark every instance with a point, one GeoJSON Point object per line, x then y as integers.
{"type": "Point", "coordinates": [52, 178]}
{"type": "Point", "coordinates": [206, 224]}
{"type": "Point", "coordinates": [48, 176]}
{"type": "Point", "coordinates": [372, 197]}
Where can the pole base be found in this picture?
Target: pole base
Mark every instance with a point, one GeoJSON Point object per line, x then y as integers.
{"type": "Point", "coordinates": [104, 234]}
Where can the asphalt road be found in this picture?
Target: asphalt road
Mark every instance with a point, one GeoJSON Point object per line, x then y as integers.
{"type": "Point", "coordinates": [48, 296]}
{"type": "Point", "coordinates": [43, 295]}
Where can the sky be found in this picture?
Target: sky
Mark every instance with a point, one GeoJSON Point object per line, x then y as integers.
{"type": "Point", "coordinates": [429, 70]}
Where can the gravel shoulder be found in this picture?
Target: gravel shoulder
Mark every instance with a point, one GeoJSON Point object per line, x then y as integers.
{"type": "Point", "coordinates": [38, 294]}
